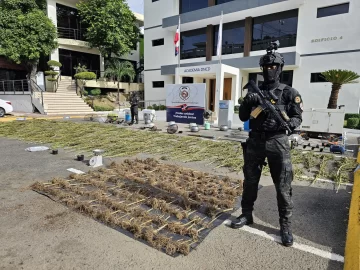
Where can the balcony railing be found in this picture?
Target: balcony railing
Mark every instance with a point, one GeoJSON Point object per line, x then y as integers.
{"type": "Point", "coordinates": [71, 33]}
{"type": "Point", "coordinates": [19, 87]}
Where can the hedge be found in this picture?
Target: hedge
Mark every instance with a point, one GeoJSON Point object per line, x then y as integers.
{"type": "Point", "coordinates": [351, 115]}
{"type": "Point", "coordinates": [102, 108]}
{"type": "Point", "coordinates": [85, 76]}
{"type": "Point", "coordinates": [95, 92]}
{"type": "Point", "coordinates": [51, 73]}
{"type": "Point", "coordinates": [353, 123]}
{"type": "Point", "coordinates": [53, 63]}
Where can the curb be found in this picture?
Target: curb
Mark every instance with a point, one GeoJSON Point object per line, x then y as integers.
{"type": "Point", "coordinates": [352, 250]}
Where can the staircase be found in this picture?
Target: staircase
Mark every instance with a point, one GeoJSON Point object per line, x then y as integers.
{"type": "Point", "coordinates": [65, 101]}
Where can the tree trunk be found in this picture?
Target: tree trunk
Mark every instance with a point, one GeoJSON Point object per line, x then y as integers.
{"type": "Point", "coordinates": [32, 70]}
{"type": "Point", "coordinates": [335, 89]}
{"type": "Point", "coordinates": [118, 93]}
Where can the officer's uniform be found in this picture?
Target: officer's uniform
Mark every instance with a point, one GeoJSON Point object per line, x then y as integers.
{"type": "Point", "coordinates": [268, 139]}
{"type": "Point", "coordinates": [134, 101]}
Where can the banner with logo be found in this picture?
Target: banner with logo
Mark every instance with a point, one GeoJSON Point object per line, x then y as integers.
{"type": "Point", "coordinates": [185, 103]}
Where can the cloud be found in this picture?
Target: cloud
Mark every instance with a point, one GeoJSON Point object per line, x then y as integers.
{"type": "Point", "coordinates": [136, 5]}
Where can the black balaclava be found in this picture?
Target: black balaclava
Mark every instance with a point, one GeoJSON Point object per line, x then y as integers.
{"type": "Point", "coordinates": [272, 76]}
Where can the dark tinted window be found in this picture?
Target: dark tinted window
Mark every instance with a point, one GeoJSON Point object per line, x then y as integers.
{"type": "Point", "coordinates": [67, 17]}
{"type": "Point", "coordinates": [191, 5]}
{"type": "Point", "coordinates": [159, 84]}
{"type": "Point", "coordinates": [158, 42]}
{"type": "Point", "coordinates": [187, 80]}
{"type": "Point", "coordinates": [218, 2]}
{"type": "Point", "coordinates": [233, 37]}
{"type": "Point", "coordinates": [193, 44]}
{"type": "Point", "coordinates": [333, 10]}
{"type": "Point", "coordinates": [71, 59]}
{"type": "Point", "coordinates": [280, 26]}
{"type": "Point", "coordinates": [317, 78]}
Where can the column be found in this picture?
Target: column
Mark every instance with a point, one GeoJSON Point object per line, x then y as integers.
{"type": "Point", "coordinates": [235, 88]}
{"type": "Point", "coordinates": [209, 42]}
{"type": "Point", "coordinates": [248, 35]}
{"type": "Point", "coordinates": [178, 79]}
{"type": "Point", "coordinates": [102, 65]}
{"type": "Point", "coordinates": [219, 92]}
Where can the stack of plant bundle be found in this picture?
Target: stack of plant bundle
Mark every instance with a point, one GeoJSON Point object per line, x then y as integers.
{"type": "Point", "coordinates": [169, 207]}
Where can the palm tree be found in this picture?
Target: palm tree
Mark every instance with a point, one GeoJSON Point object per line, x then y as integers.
{"type": "Point", "coordinates": [117, 70]}
{"type": "Point", "coordinates": [338, 77]}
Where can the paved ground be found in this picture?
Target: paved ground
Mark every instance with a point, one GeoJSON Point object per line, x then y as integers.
{"type": "Point", "coordinates": [37, 233]}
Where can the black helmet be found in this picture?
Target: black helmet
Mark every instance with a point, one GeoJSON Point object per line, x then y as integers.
{"type": "Point", "coordinates": [272, 58]}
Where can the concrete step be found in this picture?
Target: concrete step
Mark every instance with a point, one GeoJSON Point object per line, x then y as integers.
{"type": "Point", "coordinates": [65, 103]}
{"type": "Point", "coordinates": [72, 106]}
{"type": "Point", "coordinates": [69, 112]}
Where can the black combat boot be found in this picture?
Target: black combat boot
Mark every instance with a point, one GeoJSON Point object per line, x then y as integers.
{"type": "Point", "coordinates": [242, 220]}
{"type": "Point", "coordinates": [286, 235]}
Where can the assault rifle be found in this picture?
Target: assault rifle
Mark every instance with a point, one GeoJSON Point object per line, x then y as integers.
{"type": "Point", "coordinates": [269, 105]}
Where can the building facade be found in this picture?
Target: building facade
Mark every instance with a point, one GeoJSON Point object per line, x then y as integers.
{"type": "Point", "coordinates": [314, 35]}
{"type": "Point", "coordinates": [73, 50]}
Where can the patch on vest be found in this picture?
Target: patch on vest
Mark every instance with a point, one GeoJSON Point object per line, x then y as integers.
{"type": "Point", "coordinates": [297, 99]}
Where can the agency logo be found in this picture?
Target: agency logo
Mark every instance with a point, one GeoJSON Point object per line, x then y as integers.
{"type": "Point", "coordinates": [184, 92]}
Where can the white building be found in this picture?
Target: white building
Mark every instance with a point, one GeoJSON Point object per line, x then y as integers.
{"type": "Point", "coordinates": [315, 36]}
{"type": "Point", "coordinates": [73, 50]}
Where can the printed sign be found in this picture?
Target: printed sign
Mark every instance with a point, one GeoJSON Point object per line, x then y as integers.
{"type": "Point", "coordinates": [185, 103]}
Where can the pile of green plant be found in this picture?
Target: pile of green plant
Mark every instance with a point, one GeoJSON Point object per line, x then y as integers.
{"type": "Point", "coordinates": [92, 92]}
{"type": "Point", "coordinates": [103, 108]}
{"type": "Point", "coordinates": [157, 107]}
{"type": "Point", "coordinates": [125, 142]}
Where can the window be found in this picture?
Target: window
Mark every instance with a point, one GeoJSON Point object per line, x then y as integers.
{"type": "Point", "coordinates": [159, 84]}
{"type": "Point", "coordinates": [69, 25]}
{"type": "Point", "coordinates": [233, 37]}
{"type": "Point", "coordinates": [333, 10]}
{"type": "Point", "coordinates": [280, 26]}
{"type": "Point", "coordinates": [158, 42]}
{"type": "Point", "coordinates": [286, 77]}
{"type": "Point", "coordinates": [317, 78]}
{"type": "Point", "coordinates": [193, 44]}
{"type": "Point", "coordinates": [219, 2]}
{"type": "Point", "coordinates": [191, 5]}
{"type": "Point", "coordinates": [187, 80]}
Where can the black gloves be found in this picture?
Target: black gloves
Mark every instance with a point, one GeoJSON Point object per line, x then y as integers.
{"type": "Point", "coordinates": [252, 100]}
{"type": "Point", "coordinates": [271, 125]}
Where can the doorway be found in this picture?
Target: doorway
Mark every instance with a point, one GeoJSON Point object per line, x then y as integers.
{"type": "Point", "coordinates": [227, 89]}
{"type": "Point", "coordinates": [212, 95]}
{"type": "Point", "coordinates": [71, 59]}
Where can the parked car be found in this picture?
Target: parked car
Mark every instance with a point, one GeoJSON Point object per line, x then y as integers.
{"type": "Point", "coordinates": [5, 107]}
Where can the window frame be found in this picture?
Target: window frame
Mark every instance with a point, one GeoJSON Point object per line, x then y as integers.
{"type": "Point", "coordinates": [161, 82]}
{"type": "Point", "coordinates": [157, 40]}
{"type": "Point", "coordinates": [331, 6]}
{"type": "Point", "coordinates": [317, 76]}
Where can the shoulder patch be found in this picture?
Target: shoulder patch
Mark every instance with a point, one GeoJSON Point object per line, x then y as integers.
{"type": "Point", "coordinates": [297, 99]}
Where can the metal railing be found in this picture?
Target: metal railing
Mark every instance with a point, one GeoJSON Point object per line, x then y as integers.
{"type": "Point", "coordinates": [71, 33]}
{"type": "Point", "coordinates": [14, 87]}
{"type": "Point", "coordinates": [230, 49]}
{"type": "Point", "coordinates": [101, 74]}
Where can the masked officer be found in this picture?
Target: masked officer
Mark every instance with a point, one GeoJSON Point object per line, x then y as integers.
{"type": "Point", "coordinates": [267, 139]}
{"type": "Point", "coordinates": [134, 102]}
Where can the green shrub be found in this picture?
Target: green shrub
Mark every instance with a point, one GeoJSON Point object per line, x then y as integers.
{"type": "Point", "coordinates": [353, 123]}
{"type": "Point", "coordinates": [149, 107]}
{"type": "Point", "coordinates": [52, 79]}
{"type": "Point", "coordinates": [162, 108]}
{"type": "Point", "coordinates": [85, 76]}
{"type": "Point", "coordinates": [351, 115]}
{"type": "Point", "coordinates": [51, 73]}
{"type": "Point", "coordinates": [345, 123]}
{"type": "Point", "coordinates": [103, 108]}
{"type": "Point", "coordinates": [53, 63]}
{"type": "Point", "coordinates": [95, 92]}
{"type": "Point", "coordinates": [155, 107]}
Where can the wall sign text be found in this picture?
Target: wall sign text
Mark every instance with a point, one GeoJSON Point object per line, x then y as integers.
{"type": "Point", "coordinates": [326, 39]}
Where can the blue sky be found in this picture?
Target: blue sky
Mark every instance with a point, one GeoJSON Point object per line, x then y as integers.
{"type": "Point", "coordinates": [136, 5]}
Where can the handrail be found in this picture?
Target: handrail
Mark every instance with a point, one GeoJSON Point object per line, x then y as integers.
{"type": "Point", "coordinates": [57, 81]}
{"type": "Point", "coordinates": [70, 33]}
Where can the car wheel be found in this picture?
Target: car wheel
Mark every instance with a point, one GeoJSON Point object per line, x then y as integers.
{"type": "Point", "coordinates": [2, 112]}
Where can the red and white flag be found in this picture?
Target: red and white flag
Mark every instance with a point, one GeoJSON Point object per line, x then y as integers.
{"type": "Point", "coordinates": [177, 40]}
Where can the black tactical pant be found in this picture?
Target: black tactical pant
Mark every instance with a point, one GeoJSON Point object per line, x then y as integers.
{"type": "Point", "coordinates": [277, 151]}
{"type": "Point", "coordinates": [134, 114]}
